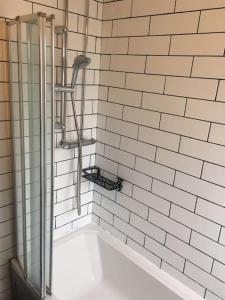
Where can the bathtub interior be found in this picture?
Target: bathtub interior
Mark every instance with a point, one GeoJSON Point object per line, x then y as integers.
{"type": "Point", "coordinates": [87, 266]}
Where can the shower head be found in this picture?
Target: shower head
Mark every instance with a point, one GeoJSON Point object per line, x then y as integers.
{"type": "Point", "coordinates": [80, 62]}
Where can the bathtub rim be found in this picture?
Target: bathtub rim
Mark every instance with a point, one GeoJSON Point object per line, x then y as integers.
{"type": "Point", "coordinates": [164, 278]}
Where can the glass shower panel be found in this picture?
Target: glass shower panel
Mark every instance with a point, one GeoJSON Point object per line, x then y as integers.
{"type": "Point", "coordinates": [32, 98]}
{"type": "Point", "coordinates": [31, 83]}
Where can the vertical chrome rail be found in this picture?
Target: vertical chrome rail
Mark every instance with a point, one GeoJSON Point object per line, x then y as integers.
{"type": "Point", "coordinates": [22, 147]}
{"type": "Point", "coordinates": [64, 73]}
{"type": "Point", "coordinates": [49, 287]}
{"type": "Point", "coordinates": [83, 87]}
{"type": "Point", "coordinates": [42, 91]}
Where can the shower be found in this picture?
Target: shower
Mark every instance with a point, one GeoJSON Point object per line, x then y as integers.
{"type": "Point", "coordinates": [80, 63]}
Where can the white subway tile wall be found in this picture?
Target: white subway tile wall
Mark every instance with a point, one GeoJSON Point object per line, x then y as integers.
{"type": "Point", "coordinates": [66, 218]}
{"type": "Point", "coordinates": [163, 64]}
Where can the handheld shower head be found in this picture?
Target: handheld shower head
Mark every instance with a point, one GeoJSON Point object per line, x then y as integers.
{"type": "Point", "coordinates": [80, 62]}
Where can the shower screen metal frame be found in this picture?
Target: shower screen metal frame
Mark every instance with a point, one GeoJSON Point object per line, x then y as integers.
{"type": "Point", "coordinates": [42, 20]}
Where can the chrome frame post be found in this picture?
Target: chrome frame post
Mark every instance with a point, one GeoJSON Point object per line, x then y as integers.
{"type": "Point", "coordinates": [49, 288]}
{"type": "Point", "coordinates": [22, 147]}
{"type": "Point", "coordinates": [42, 91]}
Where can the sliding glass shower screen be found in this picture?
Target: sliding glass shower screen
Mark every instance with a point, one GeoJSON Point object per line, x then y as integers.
{"type": "Point", "coordinates": [31, 53]}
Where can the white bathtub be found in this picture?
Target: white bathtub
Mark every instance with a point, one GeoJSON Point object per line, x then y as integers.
{"type": "Point", "coordinates": [93, 265]}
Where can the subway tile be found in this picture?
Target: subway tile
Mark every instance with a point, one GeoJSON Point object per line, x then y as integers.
{"type": "Point", "coordinates": [169, 65]}
{"type": "Point", "coordinates": [6, 255]}
{"type": "Point", "coordinates": [3, 51]}
{"type": "Point", "coordinates": [148, 228]}
{"type": "Point", "coordinates": [115, 209]}
{"type": "Point", "coordinates": [141, 117]}
{"type": "Point", "coordinates": [152, 45]}
{"type": "Point", "coordinates": [108, 138]}
{"type": "Point", "coordinates": [198, 44]}
{"type": "Point", "coordinates": [183, 5]}
{"type": "Point", "coordinates": [101, 122]}
{"type": "Point", "coordinates": [169, 225]}
{"type": "Point", "coordinates": [62, 207]}
{"type": "Point", "coordinates": [10, 9]}
{"type": "Point", "coordinates": [108, 194]}
{"type": "Point", "coordinates": [191, 254]}
{"type": "Point", "coordinates": [70, 216]}
{"type": "Point", "coordinates": [205, 279]}
{"type": "Point", "coordinates": [6, 165]}
{"type": "Point", "coordinates": [3, 29]}
{"type": "Point", "coordinates": [174, 195]}
{"type": "Point", "coordinates": [103, 213]}
{"type": "Point", "coordinates": [107, 28]}
{"type": "Point", "coordinates": [5, 181]}
{"type": "Point", "coordinates": [4, 91]}
{"type": "Point", "coordinates": [200, 290]}
{"type": "Point", "coordinates": [164, 103]}
{"type": "Point", "coordinates": [165, 253]}
{"type": "Point", "coordinates": [212, 20]}
{"type": "Point", "coordinates": [168, 24]}
{"type": "Point", "coordinates": [131, 27]}
{"type": "Point", "coordinates": [112, 230]}
{"type": "Point", "coordinates": [159, 138]}
{"type": "Point", "coordinates": [7, 228]}
{"type": "Point", "coordinates": [208, 246]}
{"type": "Point", "coordinates": [202, 150]}
{"type": "Point", "coordinates": [210, 211]}
{"type": "Point", "coordinates": [110, 109]}
{"type": "Point", "coordinates": [218, 271]}
{"type": "Point", "coordinates": [184, 126]}
{"type": "Point", "coordinates": [119, 156]}
{"type": "Point", "coordinates": [141, 7]}
{"type": "Point", "coordinates": [114, 45]}
{"type": "Point", "coordinates": [151, 200]}
{"type": "Point", "coordinates": [126, 97]}
{"type": "Point", "coordinates": [179, 162]}
{"type": "Point", "coordinates": [206, 110]}
{"type": "Point", "coordinates": [155, 170]}
{"type": "Point", "coordinates": [6, 213]}
{"type": "Point", "coordinates": [129, 230]}
{"type": "Point", "coordinates": [114, 79]}
{"type": "Point", "coordinates": [146, 83]}
{"type": "Point", "coordinates": [4, 72]}
{"type": "Point", "coordinates": [214, 174]}
{"type": "Point", "coordinates": [195, 222]}
{"type": "Point", "coordinates": [6, 197]}
{"type": "Point", "coordinates": [122, 127]}
{"type": "Point", "coordinates": [221, 91]}
{"type": "Point", "coordinates": [200, 188]}
{"type": "Point", "coordinates": [132, 205]}
{"type": "Point", "coordinates": [191, 87]}
{"type": "Point", "coordinates": [209, 67]}
{"type": "Point", "coordinates": [138, 148]}
{"type": "Point", "coordinates": [78, 7]}
{"type": "Point", "coordinates": [211, 296]}
{"type": "Point", "coordinates": [106, 164]}
{"type": "Point", "coordinates": [127, 63]}
{"type": "Point", "coordinates": [222, 236]}
{"type": "Point", "coordinates": [120, 9]}
{"type": "Point", "coordinates": [135, 177]}
{"type": "Point", "coordinates": [217, 134]}
{"type": "Point", "coordinates": [141, 250]}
